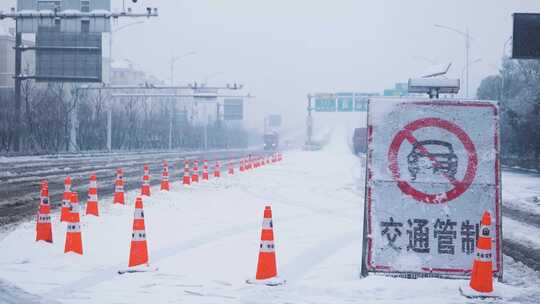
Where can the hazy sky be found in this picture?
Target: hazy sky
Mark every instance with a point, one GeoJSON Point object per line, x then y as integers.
{"type": "Point", "coordinates": [283, 49]}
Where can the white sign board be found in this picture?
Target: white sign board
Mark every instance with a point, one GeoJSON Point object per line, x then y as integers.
{"type": "Point", "coordinates": [433, 169]}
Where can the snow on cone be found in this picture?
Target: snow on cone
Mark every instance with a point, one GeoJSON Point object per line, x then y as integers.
{"type": "Point", "coordinates": [73, 233]}
{"type": "Point", "coordinates": [186, 179]}
{"type": "Point", "coordinates": [195, 173]}
{"type": "Point", "coordinates": [266, 265]}
{"type": "Point", "coordinates": [205, 170]}
{"type": "Point", "coordinates": [481, 284]}
{"type": "Point", "coordinates": [165, 177]}
{"type": "Point", "coordinates": [43, 223]}
{"type": "Point", "coordinates": [145, 188]}
{"type": "Point", "coordinates": [119, 187]}
{"type": "Point", "coordinates": [217, 170]}
{"type": "Point", "coordinates": [64, 212]}
{"type": "Point", "coordinates": [92, 202]}
{"type": "Point", "coordinates": [231, 168]}
{"type": "Point", "coordinates": [138, 252]}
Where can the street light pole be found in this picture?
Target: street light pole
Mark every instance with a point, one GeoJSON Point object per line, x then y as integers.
{"type": "Point", "coordinates": [173, 108]}
{"type": "Point", "coordinates": [467, 47]}
{"type": "Point", "coordinates": [468, 38]}
{"type": "Point", "coordinates": [466, 67]}
{"type": "Point", "coordinates": [174, 59]}
{"type": "Point", "coordinates": [502, 68]}
{"type": "Point", "coordinates": [109, 110]}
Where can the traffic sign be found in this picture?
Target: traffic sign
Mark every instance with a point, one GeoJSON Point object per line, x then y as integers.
{"type": "Point", "coordinates": [360, 103]}
{"type": "Point", "coordinates": [233, 109]}
{"type": "Point", "coordinates": [344, 102]}
{"type": "Point", "coordinates": [325, 103]}
{"type": "Point", "coordinates": [433, 169]}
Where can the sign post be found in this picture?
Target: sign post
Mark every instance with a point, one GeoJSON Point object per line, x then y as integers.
{"type": "Point", "coordinates": [433, 169]}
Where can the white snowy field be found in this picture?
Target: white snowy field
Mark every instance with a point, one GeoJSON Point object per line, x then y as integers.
{"type": "Point", "coordinates": [521, 191]}
{"type": "Point", "coordinates": [205, 240]}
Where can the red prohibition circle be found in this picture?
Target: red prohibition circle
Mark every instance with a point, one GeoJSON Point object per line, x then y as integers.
{"type": "Point", "coordinates": [459, 186]}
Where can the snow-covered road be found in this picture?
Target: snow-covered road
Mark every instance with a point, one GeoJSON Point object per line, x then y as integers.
{"type": "Point", "coordinates": [205, 241]}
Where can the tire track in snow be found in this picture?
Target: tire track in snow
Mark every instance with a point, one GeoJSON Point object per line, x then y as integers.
{"type": "Point", "coordinates": [180, 247]}
{"type": "Point", "coordinates": [315, 255]}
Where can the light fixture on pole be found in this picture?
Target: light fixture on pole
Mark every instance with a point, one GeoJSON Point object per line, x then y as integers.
{"type": "Point", "coordinates": [468, 39]}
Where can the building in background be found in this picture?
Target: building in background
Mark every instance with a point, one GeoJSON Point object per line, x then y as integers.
{"type": "Point", "coordinates": [125, 72]}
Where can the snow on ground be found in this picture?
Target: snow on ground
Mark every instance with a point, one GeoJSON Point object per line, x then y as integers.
{"type": "Point", "coordinates": [205, 241]}
{"type": "Point", "coordinates": [522, 233]}
{"type": "Point", "coordinates": [519, 191]}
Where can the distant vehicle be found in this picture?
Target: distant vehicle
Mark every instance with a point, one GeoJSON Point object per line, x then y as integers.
{"type": "Point", "coordinates": [360, 140]}
{"type": "Point", "coordinates": [440, 158]}
{"type": "Point", "coordinates": [271, 141]}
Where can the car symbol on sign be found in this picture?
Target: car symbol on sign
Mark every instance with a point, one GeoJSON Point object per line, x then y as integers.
{"type": "Point", "coordinates": [440, 157]}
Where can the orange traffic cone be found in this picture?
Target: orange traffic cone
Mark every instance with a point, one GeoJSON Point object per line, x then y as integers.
{"type": "Point", "coordinates": [205, 170]}
{"type": "Point", "coordinates": [145, 188]}
{"type": "Point", "coordinates": [249, 165]}
{"type": "Point", "coordinates": [231, 168]}
{"type": "Point", "coordinates": [43, 223]}
{"type": "Point", "coordinates": [64, 212]}
{"type": "Point", "coordinates": [217, 170]}
{"type": "Point", "coordinates": [242, 165]}
{"type": "Point", "coordinates": [481, 284]}
{"type": "Point", "coordinates": [138, 254]}
{"type": "Point", "coordinates": [165, 177]}
{"type": "Point", "coordinates": [186, 179]}
{"type": "Point", "coordinates": [74, 208]}
{"type": "Point", "coordinates": [92, 203]}
{"type": "Point", "coordinates": [119, 187]}
{"type": "Point", "coordinates": [266, 266]}
{"type": "Point", "coordinates": [195, 173]}
{"type": "Point", "coordinates": [73, 234]}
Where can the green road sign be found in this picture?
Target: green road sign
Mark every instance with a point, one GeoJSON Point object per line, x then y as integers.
{"type": "Point", "coordinates": [325, 104]}
{"type": "Point", "coordinates": [391, 92]}
{"type": "Point", "coordinates": [345, 102]}
{"type": "Point", "coordinates": [360, 103]}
